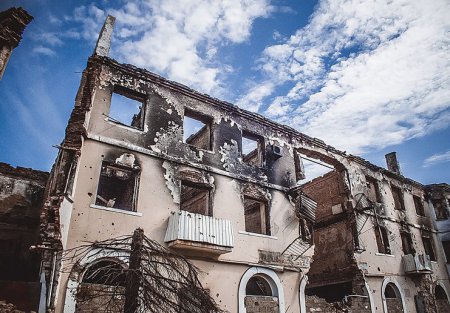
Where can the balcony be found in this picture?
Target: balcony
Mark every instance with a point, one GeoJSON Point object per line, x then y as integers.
{"type": "Point", "coordinates": [199, 233]}
{"type": "Point", "coordinates": [417, 264]}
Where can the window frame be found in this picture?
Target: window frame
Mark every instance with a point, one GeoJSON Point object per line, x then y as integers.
{"type": "Point", "coordinates": [203, 187]}
{"type": "Point", "coordinates": [382, 240]}
{"type": "Point", "coordinates": [428, 239]}
{"type": "Point", "coordinates": [132, 95]}
{"type": "Point", "coordinates": [374, 182]}
{"type": "Point", "coordinates": [264, 214]}
{"type": "Point", "coordinates": [401, 200]}
{"type": "Point", "coordinates": [136, 174]}
{"type": "Point", "coordinates": [260, 148]}
{"type": "Point", "coordinates": [208, 124]}
{"type": "Point", "coordinates": [418, 201]}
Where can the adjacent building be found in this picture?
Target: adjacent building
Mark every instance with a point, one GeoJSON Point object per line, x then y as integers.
{"type": "Point", "coordinates": [21, 197]}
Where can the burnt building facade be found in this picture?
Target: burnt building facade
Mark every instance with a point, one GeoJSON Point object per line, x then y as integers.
{"type": "Point", "coordinates": [224, 188]}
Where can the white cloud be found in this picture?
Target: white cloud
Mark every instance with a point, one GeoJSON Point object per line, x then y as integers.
{"type": "Point", "coordinates": [376, 72]}
{"type": "Point", "coordinates": [43, 50]}
{"type": "Point", "coordinates": [437, 159]}
{"type": "Point", "coordinates": [252, 100]}
{"type": "Point", "coordinates": [176, 38]}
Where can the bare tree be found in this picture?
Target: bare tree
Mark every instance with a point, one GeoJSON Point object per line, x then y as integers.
{"type": "Point", "coordinates": [156, 280]}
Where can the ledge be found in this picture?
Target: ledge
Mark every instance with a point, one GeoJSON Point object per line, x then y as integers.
{"type": "Point", "coordinates": [257, 235]}
{"type": "Point", "coordinates": [99, 207]}
{"type": "Point", "coordinates": [383, 254]}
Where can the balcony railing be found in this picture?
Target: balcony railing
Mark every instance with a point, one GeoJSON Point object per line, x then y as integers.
{"type": "Point", "coordinates": [199, 232]}
{"type": "Point", "coordinates": [417, 264]}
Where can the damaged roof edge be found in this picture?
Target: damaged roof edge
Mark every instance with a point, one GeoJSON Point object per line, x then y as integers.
{"type": "Point", "coordinates": [231, 108]}
{"type": "Point", "coordinates": [22, 172]}
{"type": "Point", "coordinates": [101, 52]}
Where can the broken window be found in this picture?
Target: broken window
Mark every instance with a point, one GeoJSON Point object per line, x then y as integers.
{"type": "Point", "coordinates": [407, 244]}
{"type": "Point", "coordinates": [382, 239]}
{"type": "Point", "coordinates": [256, 216]}
{"type": "Point", "coordinates": [398, 198]}
{"type": "Point", "coordinates": [195, 198]}
{"type": "Point", "coordinates": [103, 285]}
{"type": "Point", "coordinates": [127, 107]}
{"type": "Point", "coordinates": [418, 205]}
{"type": "Point", "coordinates": [306, 230]}
{"type": "Point", "coordinates": [197, 130]}
{"type": "Point", "coordinates": [446, 245]}
{"type": "Point", "coordinates": [117, 186]}
{"type": "Point", "coordinates": [391, 291]}
{"type": "Point", "coordinates": [373, 190]}
{"type": "Point", "coordinates": [439, 208]}
{"type": "Point", "coordinates": [258, 286]}
{"type": "Point", "coordinates": [252, 149]}
{"type": "Point", "coordinates": [428, 246]}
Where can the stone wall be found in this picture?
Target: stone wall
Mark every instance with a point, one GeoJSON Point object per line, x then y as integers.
{"type": "Point", "coordinates": [261, 304]}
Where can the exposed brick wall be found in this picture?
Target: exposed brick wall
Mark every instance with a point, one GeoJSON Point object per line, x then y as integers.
{"type": "Point", "coordinates": [359, 305]}
{"type": "Point", "coordinates": [93, 298]}
{"type": "Point", "coordinates": [261, 304]}
{"type": "Point", "coordinates": [394, 305]}
{"type": "Point", "coordinates": [326, 191]}
{"type": "Point", "coordinates": [316, 304]}
{"type": "Point", "coordinates": [442, 306]}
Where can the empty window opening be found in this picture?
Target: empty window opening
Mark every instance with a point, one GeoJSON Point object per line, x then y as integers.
{"type": "Point", "coordinates": [117, 187]}
{"type": "Point", "coordinates": [418, 204]}
{"type": "Point", "coordinates": [439, 293]}
{"type": "Point", "coordinates": [252, 149]}
{"type": "Point", "coordinates": [428, 246]}
{"type": "Point", "coordinates": [439, 208]}
{"type": "Point", "coordinates": [127, 108]}
{"type": "Point", "coordinates": [313, 168]}
{"type": "Point", "coordinates": [306, 230]}
{"type": "Point", "coordinates": [407, 244]}
{"type": "Point", "coordinates": [256, 216]}
{"type": "Point", "coordinates": [373, 190]}
{"type": "Point", "coordinates": [197, 130]}
{"type": "Point", "coordinates": [258, 286]}
{"type": "Point", "coordinates": [391, 291]}
{"type": "Point", "coordinates": [398, 198]}
{"type": "Point", "coordinates": [446, 245]}
{"type": "Point", "coordinates": [382, 239]}
{"type": "Point", "coordinates": [195, 199]}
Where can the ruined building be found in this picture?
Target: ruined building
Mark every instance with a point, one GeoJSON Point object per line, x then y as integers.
{"type": "Point", "coordinates": [224, 188]}
{"type": "Point", "coordinates": [439, 199]}
{"type": "Point", "coordinates": [377, 248]}
{"type": "Point", "coordinates": [12, 24]}
{"type": "Point", "coordinates": [21, 198]}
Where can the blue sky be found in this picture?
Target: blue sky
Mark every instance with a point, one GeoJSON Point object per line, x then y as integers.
{"type": "Point", "coordinates": [368, 77]}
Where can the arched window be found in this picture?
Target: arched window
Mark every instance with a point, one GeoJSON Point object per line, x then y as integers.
{"type": "Point", "coordinates": [439, 293]}
{"type": "Point", "coordinates": [392, 297]}
{"type": "Point", "coordinates": [391, 292]}
{"type": "Point", "coordinates": [105, 272]}
{"type": "Point", "coordinates": [258, 286]}
{"type": "Point", "coordinates": [260, 290]}
{"type": "Point", "coordinates": [102, 288]}
{"type": "Point", "coordinates": [442, 303]}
